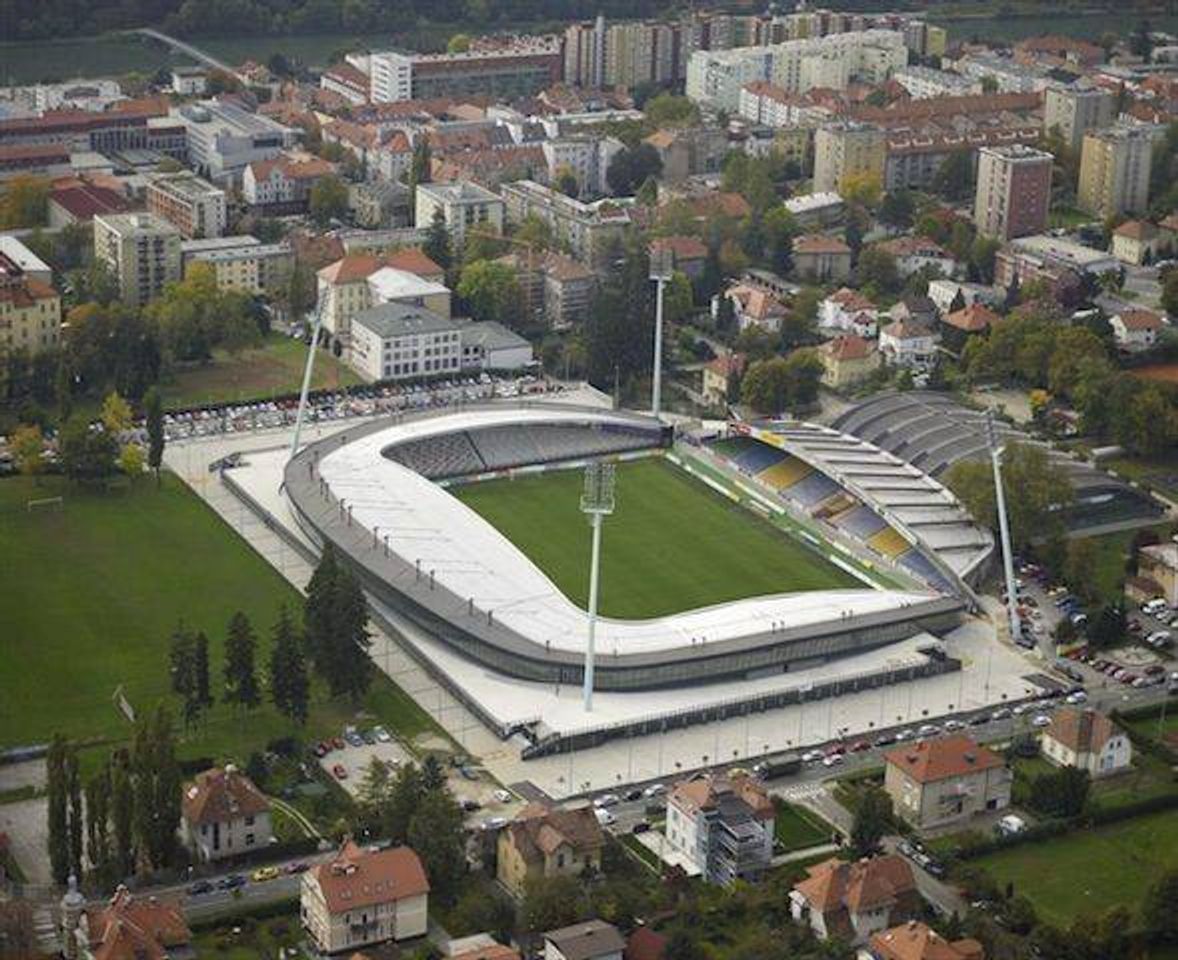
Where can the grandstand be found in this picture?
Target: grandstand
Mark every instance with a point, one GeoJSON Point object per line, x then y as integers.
{"type": "Point", "coordinates": [933, 431]}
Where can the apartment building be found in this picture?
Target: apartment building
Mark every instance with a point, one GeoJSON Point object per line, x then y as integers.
{"type": "Point", "coordinates": [1074, 111]}
{"type": "Point", "coordinates": [1043, 257]}
{"type": "Point", "coordinates": [722, 826]}
{"type": "Point", "coordinates": [141, 250]}
{"type": "Point", "coordinates": [193, 206]}
{"type": "Point", "coordinates": [224, 138]}
{"type": "Point", "coordinates": [639, 52]}
{"type": "Point", "coordinates": [588, 158]}
{"type": "Point", "coordinates": [1008, 75]}
{"type": "Point", "coordinates": [521, 67]}
{"type": "Point", "coordinates": [283, 185]}
{"type": "Point", "coordinates": [945, 781]}
{"type": "Point", "coordinates": [30, 308]}
{"type": "Point", "coordinates": [846, 150]}
{"type": "Point", "coordinates": [589, 229]}
{"type": "Point", "coordinates": [223, 814]}
{"type": "Point", "coordinates": [464, 206]}
{"type": "Point", "coordinates": [923, 83]}
{"type": "Point", "coordinates": [1013, 192]}
{"type": "Point", "coordinates": [1114, 171]}
{"type": "Point", "coordinates": [242, 263]}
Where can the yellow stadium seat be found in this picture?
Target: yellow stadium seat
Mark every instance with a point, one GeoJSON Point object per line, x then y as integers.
{"type": "Point", "coordinates": [889, 543]}
{"type": "Point", "coordinates": [785, 473]}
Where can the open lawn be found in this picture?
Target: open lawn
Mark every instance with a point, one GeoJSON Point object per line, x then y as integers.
{"type": "Point", "coordinates": [796, 828]}
{"type": "Point", "coordinates": [672, 543]}
{"type": "Point", "coordinates": [92, 591]}
{"type": "Point", "coordinates": [1089, 871]}
{"type": "Point", "coordinates": [273, 369]}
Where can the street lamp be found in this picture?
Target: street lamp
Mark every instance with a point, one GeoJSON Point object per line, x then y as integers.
{"type": "Point", "coordinates": [597, 500]}
{"type": "Point", "coordinates": [662, 269]}
{"type": "Point", "coordinates": [1003, 529]}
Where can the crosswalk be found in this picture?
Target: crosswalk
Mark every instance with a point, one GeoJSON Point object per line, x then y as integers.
{"type": "Point", "coordinates": [799, 792]}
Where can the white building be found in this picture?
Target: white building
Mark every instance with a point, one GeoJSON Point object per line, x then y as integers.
{"type": "Point", "coordinates": [590, 940]}
{"type": "Point", "coordinates": [391, 76]}
{"type": "Point", "coordinates": [587, 157]}
{"type": "Point", "coordinates": [918, 253]}
{"type": "Point", "coordinates": [848, 311]}
{"type": "Point", "coordinates": [393, 285]}
{"type": "Point", "coordinates": [924, 83]}
{"type": "Point", "coordinates": [395, 341]}
{"type": "Point", "coordinates": [224, 815]}
{"type": "Point", "coordinates": [464, 205]}
{"type": "Point", "coordinates": [362, 897]}
{"type": "Point", "coordinates": [223, 138]}
{"type": "Point", "coordinates": [722, 826]}
{"type": "Point", "coordinates": [283, 184]}
{"type": "Point", "coordinates": [189, 81]}
{"type": "Point", "coordinates": [909, 344]}
{"type": "Point", "coordinates": [1010, 77]}
{"type": "Point", "coordinates": [1088, 740]}
{"type": "Point", "coordinates": [487, 345]}
{"type": "Point", "coordinates": [944, 293]}
{"type": "Point", "coordinates": [1136, 331]}
{"type": "Point", "coordinates": [814, 210]}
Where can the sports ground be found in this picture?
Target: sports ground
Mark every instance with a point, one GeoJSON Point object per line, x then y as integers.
{"type": "Point", "coordinates": [672, 543]}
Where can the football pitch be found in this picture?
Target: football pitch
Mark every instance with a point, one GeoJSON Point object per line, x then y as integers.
{"type": "Point", "coordinates": [672, 543]}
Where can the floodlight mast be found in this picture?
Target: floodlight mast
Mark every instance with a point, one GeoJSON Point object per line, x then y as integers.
{"type": "Point", "coordinates": [597, 501]}
{"type": "Point", "coordinates": [662, 269]}
{"type": "Point", "coordinates": [315, 329]}
{"type": "Point", "coordinates": [1003, 529]}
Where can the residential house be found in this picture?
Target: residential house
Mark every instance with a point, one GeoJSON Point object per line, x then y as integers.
{"type": "Point", "coordinates": [915, 940]}
{"type": "Point", "coordinates": [945, 781]}
{"type": "Point", "coordinates": [919, 253]}
{"type": "Point", "coordinates": [590, 940]}
{"type": "Point", "coordinates": [223, 814]}
{"type": "Point", "coordinates": [126, 927]}
{"type": "Point", "coordinates": [969, 321]}
{"type": "Point", "coordinates": [478, 946]}
{"type": "Point", "coordinates": [1136, 331]}
{"type": "Point", "coordinates": [1168, 233]}
{"type": "Point", "coordinates": [391, 159]}
{"type": "Point", "coordinates": [689, 151]}
{"type": "Point", "coordinates": [189, 81]}
{"type": "Point", "coordinates": [949, 295]}
{"type": "Point", "coordinates": [848, 360]}
{"type": "Point", "coordinates": [909, 344]}
{"type": "Point", "coordinates": [848, 311]}
{"type": "Point", "coordinates": [817, 210]}
{"type": "Point", "coordinates": [546, 841]}
{"type": "Point", "coordinates": [378, 204]}
{"type": "Point", "coordinates": [1159, 562]}
{"type": "Point", "coordinates": [723, 826]}
{"type": "Point", "coordinates": [361, 897]}
{"type": "Point", "coordinates": [1136, 242]}
{"type": "Point", "coordinates": [823, 258]}
{"type": "Point", "coordinates": [853, 900]}
{"type": "Point", "coordinates": [283, 185]}
{"type": "Point", "coordinates": [688, 255]}
{"type": "Point", "coordinates": [30, 307]}
{"type": "Point", "coordinates": [1087, 740]}
{"type": "Point", "coordinates": [756, 307]}
{"type": "Point", "coordinates": [913, 306]}
{"type": "Point", "coordinates": [721, 376]}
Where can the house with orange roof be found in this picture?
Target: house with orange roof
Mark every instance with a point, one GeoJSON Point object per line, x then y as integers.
{"type": "Point", "coordinates": [857, 899]}
{"type": "Point", "coordinates": [479, 946]}
{"type": "Point", "coordinates": [30, 307]}
{"type": "Point", "coordinates": [918, 253]}
{"type": "Point", "coordinates": [915, 940]}
{"type": "Point", "coordinates": [1136, 330]}
{"type": "Point", "coordinates": [223, 814]}
{"type": "Point", "coordinates": [848, 311]}
{"type": "Point", "coordinates": [848, 360]}
{"type": "Point", "coordinates": [821, 257]}
{"type": "Point", "coordinates": [1136, 242]}
{"type": "Point", "coordinates": [721, 375]}
{"type": "Point", "coordinates": [756, 307]}
{"type": "Point", "coordinates": [974, 319]}
{"type": "Point", "coordinates": [688, 254]}
{"type": "Point", "coordinates": [721, 826]}
{"type": "Point", "coordinates": [364, 896]}
{"type": "Point", "coordinates": [545, 841]}
{"type": "Point", "coordinates": [1087, 740]}
{"type": "Point", "coordinates": [283, 184]}
{"type": "Point", "coordinates": [945, 781]}
{"type": "Point", "coordinates": [126, 927]}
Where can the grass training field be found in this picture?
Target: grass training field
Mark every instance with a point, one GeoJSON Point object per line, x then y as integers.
{"type": "Point", "coordinates": [672, 544]}
{"type": "Point", "coordinates": [92, 592]}
{"type": "Point", "coordinates": [1089, 871]}
{"type": "Point", "coordinates": [273, 369]}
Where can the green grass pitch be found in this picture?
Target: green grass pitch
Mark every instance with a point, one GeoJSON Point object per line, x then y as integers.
{"type": "Point", "coordinates": [672, 543]}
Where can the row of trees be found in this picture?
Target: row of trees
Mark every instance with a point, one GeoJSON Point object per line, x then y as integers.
{"type": "Point", "coordinates": [131, 808]}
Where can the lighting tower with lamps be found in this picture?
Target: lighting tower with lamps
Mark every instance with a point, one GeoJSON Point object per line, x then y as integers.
{"type": "Point", "coordinates": [597, 500]}
{"type": "Point", "coordinates": [662, 269]}
{"type": "Point", "coordinates": [1003, 528]}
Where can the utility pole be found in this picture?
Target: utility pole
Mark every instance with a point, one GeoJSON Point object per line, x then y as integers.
{"type": "Point", "coordinates": [597, 500]}
{"type": "Point", "coordinates": [662, 269]}
{"type": "Point", "coordinates": [1003, 529]}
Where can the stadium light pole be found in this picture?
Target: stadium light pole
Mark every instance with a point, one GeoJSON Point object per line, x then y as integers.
{"type": "Point", "coordinates": [662, 269]}
{"type": "Point", "coordinates": [597, 500]}
{"type": "Point", "coordinates": [306, 388]}
{"type": "Point", "coordinates": [1003, 528]}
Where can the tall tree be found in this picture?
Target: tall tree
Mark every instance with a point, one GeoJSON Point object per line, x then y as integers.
{"type": "Point", "coordinates": [419, 169]}
{"type": "Point", "coordinates": [873, 819]}
{"type": "Point", "coordinates": [122, 814]}
{"type": "Point", "coordinates": [328, 200]}
{"type": "Point", "coordinates": [319, 607]}
{"type": "Point", "coordinates": [98, 847]}
{"type": "Point", "coordinates": [202, 687]}
{"type": "Point", "coordinates": [349, 670]}
{"type": "Point", "coordinates": [57, 788]}
{"type": "Point", "coordinates": [436, 834]}
{"type": "Point", "coordinates": [437, 241]}
{"type": "Point", "coordinates": [157, 784]}
{"type": "Point", "coordinates": [290, 686]}
{"type": "Point", "coordinates": [241, 678]}
{"type": "Point", "coordinates": [154, 410]}
{"type": "Point", "coordinates": [73, 780]}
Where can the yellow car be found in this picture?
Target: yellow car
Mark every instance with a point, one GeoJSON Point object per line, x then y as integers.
{"type": "Point", "coordinates": [262, 874]}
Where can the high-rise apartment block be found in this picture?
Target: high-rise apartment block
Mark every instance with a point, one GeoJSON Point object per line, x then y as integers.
{"type": "Point", "coordinates": [1013, 191]}
{"type": "Point", "coordinates": [1114, 171]}
{"type": "Point", "coordinates": [193, 206]}
{"type": "Point", "coordinates": [1075, 111]}
{"type": "Point", "coordinates": [847, 150]}
{"type": "Point", "coordinates": [141, 250]}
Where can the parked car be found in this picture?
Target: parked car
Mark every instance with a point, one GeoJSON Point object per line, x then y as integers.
{"type": "Point", "coordinates": [262, 874]}
{"type": "Point", "coordinates": [340, 771]}
{"type": "Point", "coordinates": [928, 730]}
{"type": "Point", "coordinates": [1076, 698]}
{"type": "Point", "coordinates": [232, 882]}
{"type": "Point", "coordinates": [1041, 720]}
{"type": "Point", "coordinates": [502, 796]}
{"type": "Point", "coordinates": [606, 800]}
{"type": "Point", "coordinates": [1002, 713]}
{"type": "Point", "coordinates": [654, 790]}
{"type": "Point", "coordinates": [953, 725]}
{"type": "Point", "coordinates": [381, 734]}
{"type": "Point", "coordinates": [199, 888]}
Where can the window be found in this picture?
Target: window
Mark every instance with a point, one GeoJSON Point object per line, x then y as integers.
{"type": "Point", "coordinates": [249, 821]}
{"type": "Point", "coordinates": [249, 839]}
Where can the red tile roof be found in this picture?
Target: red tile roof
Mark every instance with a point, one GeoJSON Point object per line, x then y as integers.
{"type": "Point", "coordinates": [703, 792]}
{"type": "Point", "coordinates": [1136, 230]}
{"type": "Point", "coordinates": [84, 201]}
{"type": "Point", "coordinates": [25, 292]}
{"type": "Point", "coordinates": [820, 243]}
{"type": "Point", "coordinates": [849, 347]}
{"type": "Point", "coordinates": [356, 878]}
{"type": "Point", "coordinates": [645, 944]}
{"type": "Point", "coordinates": [135, 928]}
{"type": "Point", "coordinates": [1081, 731]}
{"type": "Point", "coordinates": [683, 248]}
{"type": "Point", "coordinates": [864, 885]}
{"type": "Point", "coordinates": [916, 941]}
{"type": "Point", "coordinates": [932, 760]}
{"type": "Point", "coordinates": [414, 260]}
{"type": "Point", "coordinates": [975, 318]}
{"type": "Point", "coordinates": [222, 794]}
{"type": "Point", "coordinates": [1140, 320]}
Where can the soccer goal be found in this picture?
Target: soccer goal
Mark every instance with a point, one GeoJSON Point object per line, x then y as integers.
{"type": "Point", "coordinates": [45, 503]}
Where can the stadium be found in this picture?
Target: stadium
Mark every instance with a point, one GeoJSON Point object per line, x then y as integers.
{"type": "Point", "coordinates": [741, 560]}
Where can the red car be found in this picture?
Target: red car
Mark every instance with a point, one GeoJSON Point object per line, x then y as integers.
{"type": "Point", "coordinates": [321, 750]}
{"type": "Point", "coordinates": [340, 771]}
{"type": "Point", "coordinates": [337, 743]}
{"type": "Point", "coordinates": [859, 746]}
{"type": "Point", "coordinates": [835, 748]}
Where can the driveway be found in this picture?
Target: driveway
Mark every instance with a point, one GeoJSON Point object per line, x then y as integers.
{"type": "Point", "coordinates": [27, 826]}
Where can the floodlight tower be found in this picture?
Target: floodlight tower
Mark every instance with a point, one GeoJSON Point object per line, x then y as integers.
{"type": "Point", "coordinates": [1003, 528]}
{"type": "Point", "coordinates": [316, 327]}
{"type": "Point", "coordinates": [597, 500]}
{"type": "Point", "coordinates": [662, 268]}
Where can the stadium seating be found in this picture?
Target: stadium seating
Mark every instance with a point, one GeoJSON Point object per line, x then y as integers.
{"type": "Point", "coordinates": [862, 522]}
{"type": "Point", "coordinates": [888, 542]}
{"type": "Point", "coordinates": [811, 490]}
{"type": "Point", "coordinates": [448, 455]}
{"type": "Point", "coordinates": [504, 447]}
{"type": "Point", "coordinates": [920, 565]}
{"type": "Point", "coordinates": [785, 473]}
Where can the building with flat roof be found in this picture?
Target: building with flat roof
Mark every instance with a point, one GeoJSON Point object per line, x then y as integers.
{"type": "Point", "coordinates": [193, 206]}
{"type": "Point", "coordinates": [845, 151]}
{"type": "Point", "coordinates": [589, 229]}
{"type": "Point", "coordinates": [1114, 171]}
{"type": "Point", "coordinates": [464, 206]}
{"type": "Point", "coordinates": [242, 263]}
{"type": "Point", "coordinates": [1075, 110]}
{"type": "Point", "coordinates": [224, 138]}
{"type": "Point", "coordinates": [1013, 191]}
{"type": "Point", "coordinates": [518, 69]}
{"type": "Point", "coordinates": [141, 250]}
{"type": "Point", "coordinates": [397, 341]}
{"type": "Point", "coordinates": [1043, 257]}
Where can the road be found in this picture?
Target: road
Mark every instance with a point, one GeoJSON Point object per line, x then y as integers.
{"type": "Point", "coordinates": [187, 49]}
